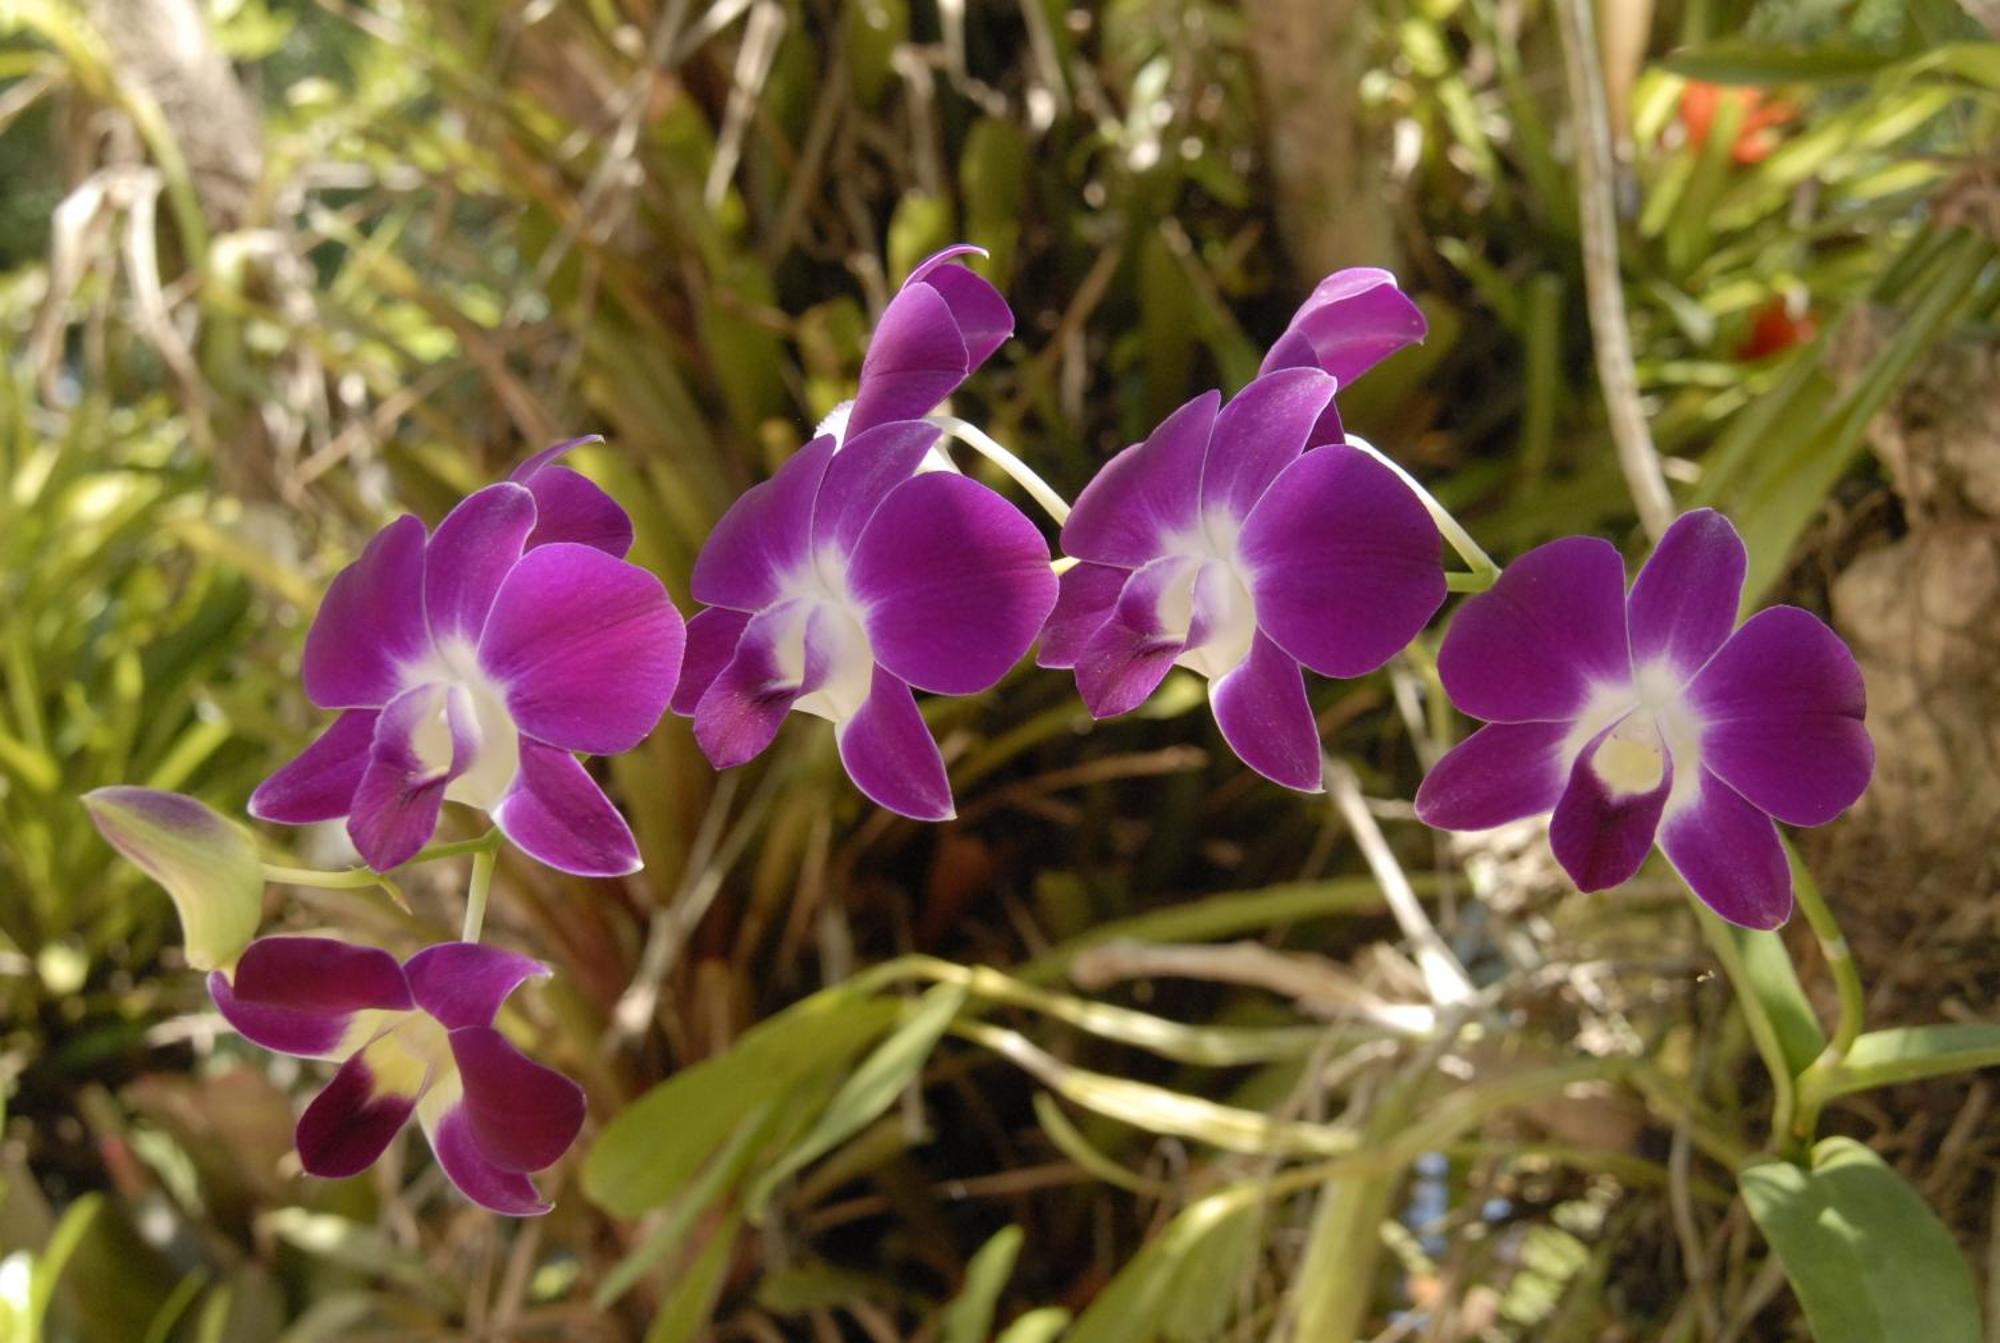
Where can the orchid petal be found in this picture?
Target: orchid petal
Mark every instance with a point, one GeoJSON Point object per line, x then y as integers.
{"type": "Point", "coordinates": [745, 704]}
{"type": "Point", "coordinates": [1264, 715]}
{"type": "Point", "coordinates": [1352, 321]}
{"type": "Point", "coordinates": [371, 624]}
{"type": "Point", "coordinates": [1683, 603]}
{"type": "Point", "coordinates": [916, 358]}
{"type": "Point", "coordinates": [712, 636]}
{"type": "Point", "coordinates": [569, 506]}
{"type": "Point", "coordinates": [1259, 433]}
{"type": "Point", "coordinates": [1783, 705]}
{"type": "Point", "coordinates": [1125, 660]}
{"type": "Point", "coordinates": [955, 583]}
{"type": "Point", "coordinates": [861, 475]}
{"type": "Point", "coordinates": [304, 995]}
{"type": "Point", "coordinates": [1602, 835]}
{"type": "Point", "coordinates": [556, 814]}
{"type": "Point", "coordinates": [356, 1115]}
{"type": "Point", "coordinates": [763, 539]}
{"type": "Point", "coordinates": [1501, 773]}
{"type": "Point", "coordinates": [1728, 852]}
{"type": "Point", "coordinates": [470, 553]}
{"type": "Point", "coordinates": [891, 756]}
{"type": "Point", "coordinates": [587, 646]}
{"type": "Point", "coordinates": [319, 783]}
{"type": "Point", "coordinates": [523, 1115]}
{"type": "Point", "coordinates": [1345, 566]}
{"type": "Point", "coordinates": [463, 983]}
{"type": "Point", "coordinates": [1147, 494]}
{"type": "Point", "coordinates": [1551, 629]}
{"type": "Point", "coordinates": [452, 1139]}
{"type": "Point", "coordinates": [427, 737]}
{"type": "Point", "coordinates": [1085, 597]}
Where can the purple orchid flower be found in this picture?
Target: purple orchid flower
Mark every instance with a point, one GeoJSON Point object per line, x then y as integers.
{"type": "Point", "coordinates": [1352, 321]}
{"type": "Point", "coordinates": [942, 324]}
{"type": "Point", "coordinates": [841, 582]}
{"type": "Point", "coordinates": [471, 663]}
{"type": "Point", "coordinates": [411, 1039]}
{"type": "Point", "coordinates": [1221, 544]}
{"type": "Point", "coordinates": [1642, 716]}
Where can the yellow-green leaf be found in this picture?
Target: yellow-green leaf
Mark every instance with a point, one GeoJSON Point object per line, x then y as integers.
{"type": "Point", "coordinates": [208, 865]}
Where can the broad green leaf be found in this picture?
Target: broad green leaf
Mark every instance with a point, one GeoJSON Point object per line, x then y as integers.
{"type": "Point", "coordinates": [1739, 61]}
{"type": "Point", "coordinates": [1882, 1058]}
{"type": "Point", "coordinates": [969, 1317]}
{"type": "Point", "coordinates": [872, 1089]}
{"type": "Point", "coordinates": [875, 28]}
{"type": "Point", "coordinates": [920, 225]}
{"type": "Point", "coordinates": [1136, 1306]}
{"type": "Point", "coordinates": [649, 1153]}
{"type": "Point", "coordinates": [1766, 973]}
{"type": "Point", "coordinates": [208, 865]}
{"type": "Point", "coordinates": [684, 1313]}
{"type": "Point", "coordinates": [1037, 1326]}
{"type": "Point", "coordinates": [1866, 1256]}
{"type": "Point", "coordinates": [993, 173]}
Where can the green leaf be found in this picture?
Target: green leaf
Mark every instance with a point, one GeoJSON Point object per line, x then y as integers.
{"type": "Point", "coordinates": [208, 865]}
{"type": "Point", "coordinates": [1137, 1306]}
{"type": "Point", "coordinates": [969, 1317]}
{"type": "Point", "coordinates": [663, 1139]}
{"type": "Point", "coordinates": [1867, 1258]}
{"type": "Point", "coordinates": [1882, 1058]}
{"type": "Point", "coordinates": [684, 1313]}
{"type": "Point", "coordinates": [871, 1090]}
{"type": "Point", "coordinates": [1741, 61]}
{"type": "Point", "coordinates": [1037, 1326]}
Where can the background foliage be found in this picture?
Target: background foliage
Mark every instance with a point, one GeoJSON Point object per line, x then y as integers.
{"type": "Point", "coordinates": [1134, 1049]}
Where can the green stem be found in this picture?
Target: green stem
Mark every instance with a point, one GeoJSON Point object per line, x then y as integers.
{"type": "Point", "coordinates": [1813, 1090]}
{"type": "Point", "coordinates": [983, 443]}
{"type": "Point", "coordinates": [1763, 1032]}
{"type": "Point", "coordinates": [347, 879]}
{"type": "Point", "coordinates": [483, 861]}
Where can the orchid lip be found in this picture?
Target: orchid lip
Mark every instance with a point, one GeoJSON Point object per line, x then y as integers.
{"type": "Point", "coordinates": [496, 759]}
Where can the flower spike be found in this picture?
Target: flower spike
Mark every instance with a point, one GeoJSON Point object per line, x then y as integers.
{"type": "Point", "coordinates": [1650, 716]}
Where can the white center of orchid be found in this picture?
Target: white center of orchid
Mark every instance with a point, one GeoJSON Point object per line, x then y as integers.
{"type": "Point", "coordinates": [1653, 723]}
{"type": "Point", "coordinates": [1215, 595]}
{"type": "Point", "coordinates": [825, 624]}
{"type": "Point", "coordinates": [496, 754]}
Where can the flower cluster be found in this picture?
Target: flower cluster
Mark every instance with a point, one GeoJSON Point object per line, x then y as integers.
{"type": "Point", "coordinates": [1248, 540]}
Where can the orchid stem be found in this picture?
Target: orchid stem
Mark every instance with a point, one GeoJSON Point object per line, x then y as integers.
{"type": "Point", "coordinates": [483, 861]}
{"type": "Point", "coordinates": [1847, 983]}
{"type": "Point", "coordinates": [1484, 570]}
{"type": "Point", "coordinates": [983, 443]}
{"type": "Point", "coordinates": [347, 879]}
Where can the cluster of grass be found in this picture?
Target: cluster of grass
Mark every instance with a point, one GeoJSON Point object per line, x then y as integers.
{"type": "Point", "coordinates": [1135, 1049]}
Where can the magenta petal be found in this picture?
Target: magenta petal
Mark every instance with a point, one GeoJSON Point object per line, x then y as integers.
{"type": "Point", "coordinates": [1146, 494]}
{"type": "Point", "coordinates": [1353, 321]}
{"type": "Point", "coordinates": [1259, 433]}
{"type": "Point", "coordinates": [507, 1192]}
{"type": "Point", "coordinates": [1533, 646]}
{"type": "Point", "coordinates": [1345, 565]}
{"type": "Point", "coordinates": [470, 553]}
{"type": "Point", "coordinates": [1728, 853]}
{"type": "Point", "coordinates": [1124, 661]}
{"type": "Point", "coordinates": [1264, 715]}
{"type": "Point", "coordinates": [712, 636]}
{"type": "Point", "coordinates": [1783, 704]}
{"type": "Point", "coordinates": [587, 646]}
{"type": "Point", "coordinates": [297, 995]}
{"type": "Point", "coordinates": [371, 624]}
{"type": "Point", "coordinates": [1085, 596]}
{"type": "Point", "coordinates": [868, 466]}
{"type": "Point", "coordinates": [745, 704]}
{"type": "Point", "coordinates": [548, 456]}
{"type": "Point", "coordinates": [1601, 837]}
{"type": "Point", "coordinates": [464, 983]}
{"type": "Point", "coordinates": [1683, 603]}
{"type": "Point", "coordinates": [1501, 773]}
{"type": "Point", "coordinates": [916, 358]}
{"type": "Point", "coordinates": [350, 1123]}
{"type": "Point", "coordinates": [556, 814]}
{"type": "Point", "coordinates": [983, 317]}
{"type": "Point", "coordinates": [891, 756]}
{"type": "Point", "coordinates": [523, 1116]}
{"type": "Point", "coordinates": [569, 506]}
{"type": "Point", "coordinates": [396, 806]}
{"type": "Point", "coordinates": [956, 583]}
{"type": "Point", "coordinates": [763, 538]}
{"type": "Point", "coordinates": [319, 783]}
